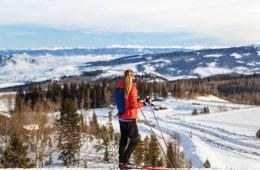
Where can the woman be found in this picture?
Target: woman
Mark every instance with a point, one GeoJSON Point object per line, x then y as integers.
{"type": "Point", "coordinates": [127, 120]}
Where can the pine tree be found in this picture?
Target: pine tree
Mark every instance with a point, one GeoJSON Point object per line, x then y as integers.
{"type": "Point", "coordinates": [94, 126]}
{"type": "Point", "coordinates": [207, 164]}
{"type": "Point", "coordinates": [80, 96]}
{"type": "Point", "coordinates": [19, 104]}
{"type": "Point", "coordinates": [16, 154]}
{"type": "Point", "coordinates": [69, 135]}
{"type": "Point", "coordinates": [104, 94]}
{"type": "Point", "coordinates": [164, 91]}
{"type": "Point", "coordinates": [189, 164]}
{"type": "Point", "coordinates": [194, 112]}
{"type": "Point", "coordinates": [139, 152]}
{"type": "Point", "coordinates": [87, 99]}
{"type": "Point", "coordinates": [66, 91]}
{"type": "Point", "coordinates": [73, 91]}
{"type": "Point", "coordinates": [93, 97]}
{"type": "Point", "coordinates": [110, 126]}
{"type": "Point", "coordinates": [205, 110]}
{"type": "Point", "coordinates": [146, 150]}
{"type": "Point", "coordinates": [154, 153]}
{"type": "Point", "coordinates": [54, 92]}
{"type": "Point", "coordinates": [172, 157]}
{"type": "Point", "coordinates": [106, 154]}
{"type": "Point", "coordinates": [141, 90]}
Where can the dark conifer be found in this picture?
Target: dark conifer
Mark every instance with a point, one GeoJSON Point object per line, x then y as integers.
{"type": "Point", "coordinates": [164, 91]}
{"type": "Point", "coordinates": [66, 91]}
{"type": "Point", "coordinates": [139, 152]}
{"type": "Point", "coordinates": [194, 112]}
{"type": "Point", "coordinates": [16, 154]}
{"type": "Point", "coordinates": [69, 135]}
{"type": "Point", "coordinates": [206, 164]}
{"type": "Point", "coordinates": [106, 153]}
{"type": "Point", "coordinates": [104, 94]}
{"type": "Point", "coordinates": [87, 99]}
{"type": "Point", "coordinates": [94, 126]}
{"type": "Point", "coordinates": [19, 104]}
{"type": "Point", "coordinates": [146, 151]}
{"type": "Point", "coordinates": [110, 126]}
{"type": "Point", "coordinates": [154, 152]}
{"type": "Point", "coordinates": [172, 156]}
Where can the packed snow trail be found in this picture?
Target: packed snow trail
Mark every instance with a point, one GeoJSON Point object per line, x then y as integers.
{"type": "Point", "coordinates": [221, 139]}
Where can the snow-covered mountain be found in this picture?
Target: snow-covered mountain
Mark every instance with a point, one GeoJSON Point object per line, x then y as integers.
{"type": "Point", "coordinates": [22, 66]}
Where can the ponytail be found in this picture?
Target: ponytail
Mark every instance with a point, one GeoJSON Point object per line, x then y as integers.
{"type": "Point", "coordinates": [128, 82]}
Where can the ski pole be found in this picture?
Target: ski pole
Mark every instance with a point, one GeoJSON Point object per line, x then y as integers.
{"type": "Point", "coordinates": [157, 139]}
{"type": "Point", "coordinates": [150, 104]}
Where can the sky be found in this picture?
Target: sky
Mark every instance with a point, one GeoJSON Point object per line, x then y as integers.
{"type": "Point", "coordinates": [102, 23]}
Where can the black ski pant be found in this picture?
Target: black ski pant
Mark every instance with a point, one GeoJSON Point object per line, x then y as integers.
{"type": "Point", "coordinates": [129, 131]}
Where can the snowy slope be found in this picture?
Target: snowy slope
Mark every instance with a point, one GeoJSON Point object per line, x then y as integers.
{"type": "Point", "coordinates": [226, 136]}
{"type": "Point", "coordinates": [227, 139]}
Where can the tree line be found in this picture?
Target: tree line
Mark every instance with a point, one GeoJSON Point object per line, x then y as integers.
{"type": "Point", "coordinates": [238, 89]}
{"type": "Point", "coordinates": [84, 95]}
{"type": "Point", "coordinates": [242, 89]}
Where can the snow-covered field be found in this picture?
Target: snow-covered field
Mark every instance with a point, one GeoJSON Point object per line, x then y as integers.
{"type": "Point", "coordinates": [226, 136]}
{"type": "Point", "coordinates": [227, 139]}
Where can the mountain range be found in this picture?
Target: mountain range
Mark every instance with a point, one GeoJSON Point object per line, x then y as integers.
{"type": "Point", "coordinates": [18, 67]}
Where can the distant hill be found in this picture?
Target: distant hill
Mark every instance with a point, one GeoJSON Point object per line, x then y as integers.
{"type": "Point", "coordinates": [18, 67]}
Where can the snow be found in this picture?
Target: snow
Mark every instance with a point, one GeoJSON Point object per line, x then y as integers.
{"type": "Point", "coordinates": [24, 68]}
{"type": "Point", "coordinates": [44, 67]}
{"type": "Point", "coordinates": [149, 68]}
{"type": "Point", "coordinates": [236, 55]}
{"type": "Point", "coordinates": [211, 98]}
{"type": "Point", "coordinates": [207, 71]}
{"type": "Point", "coordinates": [242, 70]}
{"type": "Point", "coordinates": [242, 62]}
{"type": "Point", "coordinates": [213, 55]}
{"type": "Point", "coordinates": [212, 64]}
{"type": "Point", "coordinates": [6, 104]}
{"type": "Point", "coordinates": [247, 54]}
{"type": "Point", "coordinates": [213, 69]}
{"type": "Point", "coordinates": [225, 136]}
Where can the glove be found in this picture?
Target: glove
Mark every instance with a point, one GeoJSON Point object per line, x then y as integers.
{"type": "Point", "coordinates": [148, 100]}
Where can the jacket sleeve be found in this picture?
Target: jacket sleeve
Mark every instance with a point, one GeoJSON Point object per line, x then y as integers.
{"type": "Point", "coordinates": [134, 104]}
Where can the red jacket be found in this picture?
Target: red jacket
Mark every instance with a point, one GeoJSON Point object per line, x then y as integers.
{"type": "Point", "coordinates": [131, 104]}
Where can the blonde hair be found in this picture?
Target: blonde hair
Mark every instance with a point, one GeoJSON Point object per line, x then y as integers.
{"type": "Point", "coordinates": [128, 82]}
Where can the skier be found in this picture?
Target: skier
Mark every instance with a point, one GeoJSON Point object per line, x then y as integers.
{"type": "Point", "coordinates": [127, 119]}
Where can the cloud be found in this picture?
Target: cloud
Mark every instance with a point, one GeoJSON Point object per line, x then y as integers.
{"type": "Point", "coordinates": [229, 20]}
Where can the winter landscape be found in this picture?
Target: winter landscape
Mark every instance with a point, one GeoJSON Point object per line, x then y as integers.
{"type": "Point", "coordinates": [198, 62]}
{"type": "Point", "coordinates": [226, 136]}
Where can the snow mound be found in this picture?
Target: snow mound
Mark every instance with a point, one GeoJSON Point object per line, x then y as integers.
{"type": "Point", "coordinates": [211, 98]}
